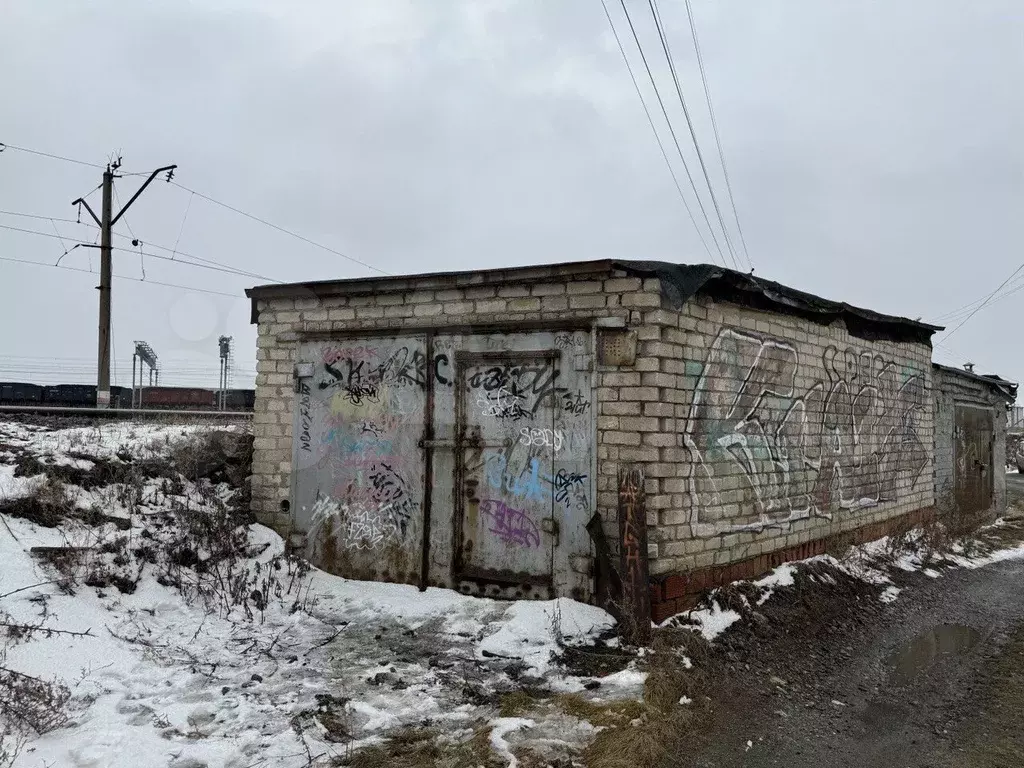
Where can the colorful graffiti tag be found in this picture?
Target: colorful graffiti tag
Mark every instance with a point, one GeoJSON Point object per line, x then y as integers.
{"type": "Point", "coordinates": [513, 526]}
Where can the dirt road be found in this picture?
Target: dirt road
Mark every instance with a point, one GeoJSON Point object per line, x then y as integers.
{"type": "Point", "coordinates": [934, 679]}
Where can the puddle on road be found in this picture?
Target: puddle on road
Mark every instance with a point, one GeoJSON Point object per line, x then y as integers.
{"type": "Point", "coordinates": [927, 649]}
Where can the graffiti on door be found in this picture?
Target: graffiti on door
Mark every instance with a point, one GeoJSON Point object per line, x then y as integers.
{"type": "Point", "coordinates": [515, 527]}
{"type": "Point", "coordinates": [844, 437]}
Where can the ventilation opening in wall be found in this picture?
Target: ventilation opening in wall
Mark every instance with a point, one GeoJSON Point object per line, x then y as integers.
{"type": "Point", "coordinates": [616, 347]}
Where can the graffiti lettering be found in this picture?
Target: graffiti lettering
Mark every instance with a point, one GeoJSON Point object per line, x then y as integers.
{"type": "Point", "coordinates": [400, 366]}
{"type": "Point", "coordinates": [575, 404]}
{"type": "Point", "coordinates": [503, 404]}
{"type": "Point", "coordinates": [361, 526]}
{"type": "Point", "coordinates": [513, 526]}
{"type": "Point", "coordinates": [305, 420]}
{"type": "Point", "coordinates": [528, 483]}
{"type": "Point", "coordinates": [333, 354]}
{"type": "Point", "coordinates": [356, 393]}
{"type": "Point", "coordinates": [552, 438]}
{"type": "Point", "coordinates": [841, 443]}
{"type": "Point", "coordinates": [565, 483]}
{"type": "Point", "coordinates": [568, 340]}
{"type": "Point", "coordinates": [537, 381]}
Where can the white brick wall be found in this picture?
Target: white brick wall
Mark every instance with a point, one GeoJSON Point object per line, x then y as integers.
{"type": "Point", "coordinates": [710, 498]}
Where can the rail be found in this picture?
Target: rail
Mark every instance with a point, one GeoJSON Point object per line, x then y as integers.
{"type": "Point", "coordinates": [121, 413]}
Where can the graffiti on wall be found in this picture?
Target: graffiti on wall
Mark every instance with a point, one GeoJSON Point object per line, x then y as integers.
{"type": "Point", "coordinates": [363, 366]}
{"type": "Point", "coordinates": [361, 415]}
{"type": "Point", "coordinates": [531, 385]}
{"type": "Point", "coordinates": [355, 526]}
{"type": "Point", "coordinates": [515, 527]}
{"type": "Point", "coordinates": [807, 436]}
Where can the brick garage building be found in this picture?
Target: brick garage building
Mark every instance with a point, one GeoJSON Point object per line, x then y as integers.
{"type": "Point", "coordinates": [970, 445]}
{"type": "Point", "coordinates": [462, 429]}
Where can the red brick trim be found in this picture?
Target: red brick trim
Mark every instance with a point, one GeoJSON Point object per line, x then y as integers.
{"type": "Point", "coordinates": [677, 592]}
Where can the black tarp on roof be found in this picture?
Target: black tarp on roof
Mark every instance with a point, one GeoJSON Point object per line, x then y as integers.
{"type": "Point", "coordinates": [680, 282]}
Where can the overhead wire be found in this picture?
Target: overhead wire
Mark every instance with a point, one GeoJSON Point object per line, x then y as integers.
{"type": "Point", "coordinates": [714, 128]}
{"type": "Point", "coordinates": [288, 232]}
{"type": "Point", "coordinates": [4, 146]}
{"type": "Point", "coordinates": [181, 229]}
{"type": "Point", "coordinates": [212, 200]}
{"type": "Point", "coordinates": [46, 218]}
{"type": "Point", "coordinates": [671, 128]}
{"type": "Point", "coordinates": [120, 277]}
{"type": "Point", "coordinates": [135, 240]}
{"type": "Point", "coordinates": [215, 266]}
{"type": "Point", "coordinates": [657, 137]}
{"type": "Point", "coordinates": [1011, 288]}
{"type": "Point", "coordinates": [689, 124]}
{"type": "Point", "coordinates": [983, 304]}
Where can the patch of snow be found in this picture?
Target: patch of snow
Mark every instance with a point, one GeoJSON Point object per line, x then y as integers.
{"type": "Point", "coordinates": [685, 700]}
{"type": "Point", "coordinates": [625, 678]}
{"type": "Point", "coordinates": [500, 728]}
{"type": "Point", "coordinates": [532, 630]}
{"type": "Point", "coordinates": [714, 620]}
{"type": "Point", "coordinates": [889, 594]}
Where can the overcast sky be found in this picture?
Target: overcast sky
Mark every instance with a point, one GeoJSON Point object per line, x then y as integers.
{"type": "Point", "coordinates": [875, 151]}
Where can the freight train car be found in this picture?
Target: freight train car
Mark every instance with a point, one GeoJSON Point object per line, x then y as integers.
{"type": "Point", "coordinates": [185, 398]}
{"type": "Point", "coordinates": [240, 399]}
{"type": "Point", "coordinates": [84, 396]}
{"type": "Point", "coordinates": [19, 393]}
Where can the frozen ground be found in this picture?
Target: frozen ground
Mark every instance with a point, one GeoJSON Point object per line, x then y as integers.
{"type": "Point", "coordinates": [328, 666]}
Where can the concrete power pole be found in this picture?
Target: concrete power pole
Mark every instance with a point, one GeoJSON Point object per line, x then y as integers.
{"type": "Point", "coordinates": [106, 224]}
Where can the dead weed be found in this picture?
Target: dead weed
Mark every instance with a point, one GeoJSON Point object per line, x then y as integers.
{"type": "Point", "coordinates": [428, 748]}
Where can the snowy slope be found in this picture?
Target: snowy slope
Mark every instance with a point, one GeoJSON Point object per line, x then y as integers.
{"type": "Point", "coordinates": [162, 681]}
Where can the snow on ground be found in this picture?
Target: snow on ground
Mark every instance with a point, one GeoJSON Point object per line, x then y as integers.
{"type": "Point", "coordinates": [874, 562]}
{"type": "Point", "coordinates": [158, 680]}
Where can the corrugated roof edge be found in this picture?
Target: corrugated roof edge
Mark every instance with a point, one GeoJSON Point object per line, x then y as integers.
{"type": "Point", "coordinates": [680, 282]}
{"type": "Point", "coordinates": [1007, 387]}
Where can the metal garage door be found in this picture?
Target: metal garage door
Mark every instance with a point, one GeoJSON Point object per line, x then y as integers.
{"type": "Point", "coordinates": [972, 458]}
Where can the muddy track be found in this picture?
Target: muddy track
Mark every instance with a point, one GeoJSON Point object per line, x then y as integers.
{"type": "Point", "coordinates": [860, 683]}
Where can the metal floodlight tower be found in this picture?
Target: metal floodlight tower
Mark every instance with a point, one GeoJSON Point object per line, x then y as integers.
{"type": "Point", "coordinates": [145, 355]}
{"type": "Point", "coordinates": [224, 344]}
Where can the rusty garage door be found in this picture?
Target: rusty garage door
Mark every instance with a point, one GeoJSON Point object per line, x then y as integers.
{"type": "Point", "coordinates": [505, 523]}
{"type": "Point", "coordinates": [358, 468]}
{"type": "Point", "coordinates": [972, 458]}
{"type": "Point", "coordinates": [458, 460]}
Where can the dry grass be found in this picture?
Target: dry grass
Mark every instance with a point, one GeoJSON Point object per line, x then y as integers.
{"type": "Point", "coordinates": [516, 703]}
{"type": "Point", "coordinates": [656, 733]}
{"type": "Point", "coordinates": [427, 748]}
{"type": "Point", "coordinates": [607, 714]}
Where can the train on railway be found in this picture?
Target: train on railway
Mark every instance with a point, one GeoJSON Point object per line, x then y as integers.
{"type": "Point", "coordinates": [162, 398]}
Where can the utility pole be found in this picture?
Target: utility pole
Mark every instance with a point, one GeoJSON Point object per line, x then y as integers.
{"type": "Point", "coordinates": [106, 224]}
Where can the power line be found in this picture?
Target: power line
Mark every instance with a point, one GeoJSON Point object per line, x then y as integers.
{"type": "Point", "coordinates": [120, 277]}
{"type": "Point", "coordinates": [671, 129]}
{"type": "Point", "coordinates": [46, 218]}
{"type": "Point", "coordinates": [173, 251]}
{"type": "Point", "coordinates": [953, 315]}
{"type": "Point", "coordinates": [47, 154]}
{"type": "Point", "coordinates": [216, 267]}
{"type": "Point", "coordinates": [983, 304]}
{"type": "Point", "coordinates": [280, 229]}
{"type": "Point", "coordinates": [714, 127]}
{"type": "Point", "coordinates": [657, 137]}
{"type": "Point", "coordinates": [689, 124]}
